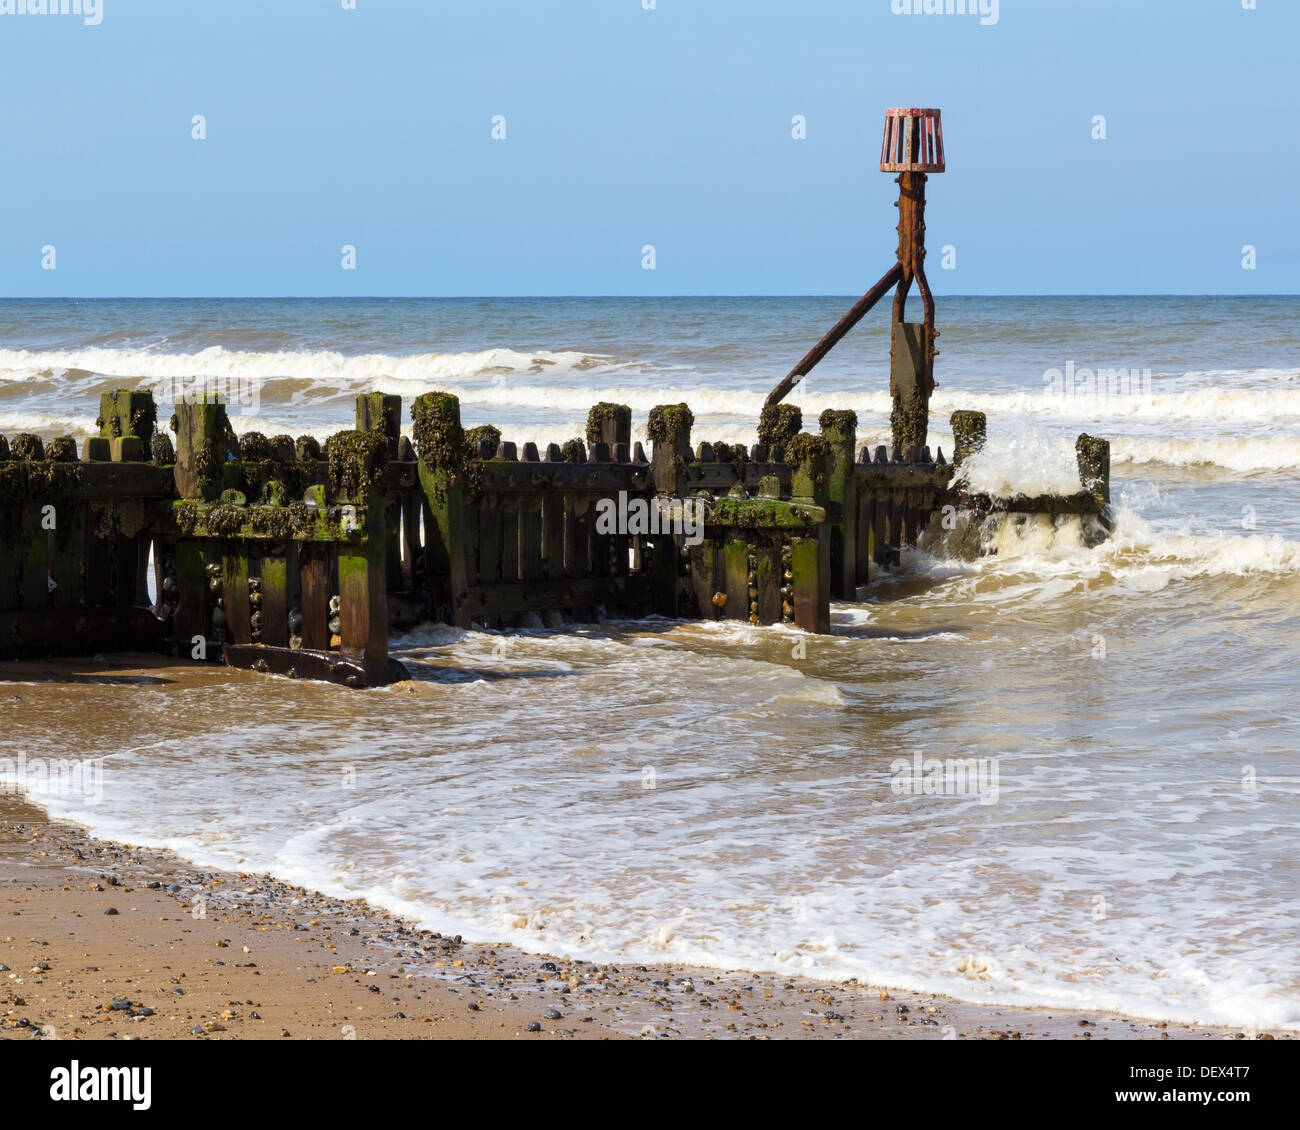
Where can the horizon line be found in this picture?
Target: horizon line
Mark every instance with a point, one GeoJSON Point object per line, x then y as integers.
{"type": "Point", "coordinates": [585, 297]}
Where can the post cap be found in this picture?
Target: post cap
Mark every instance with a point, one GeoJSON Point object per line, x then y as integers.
{"type": "Point", "coordinates": [913, 141]}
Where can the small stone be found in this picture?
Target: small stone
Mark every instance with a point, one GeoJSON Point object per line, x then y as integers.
{"type": "Point", "coordinates": [533, 1026]}
{"type": "Point", "coordinates": [111, 910]}
{"type": "Point", "coordinates": [553, 1014]}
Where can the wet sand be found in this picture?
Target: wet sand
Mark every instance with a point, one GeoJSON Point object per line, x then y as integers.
{"type": "Point", "coordinates": [101, 940]}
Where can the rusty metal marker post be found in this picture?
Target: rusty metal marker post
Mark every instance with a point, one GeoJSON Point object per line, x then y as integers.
{"type": "Point", "coordinates": [912, 148]}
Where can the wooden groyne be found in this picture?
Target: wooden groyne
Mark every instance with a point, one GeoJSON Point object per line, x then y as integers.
{"type": "Point", "coordinates": [283, 555]}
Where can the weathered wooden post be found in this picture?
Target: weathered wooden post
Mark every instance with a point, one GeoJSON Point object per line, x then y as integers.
{"type": "Point", "coordinates": [200, 446]}
{"type": "Point", "coordinates": [381, 414]}
{"type": "Point", "coordinates": [669, 432]}
{"type": "Point", "coordinates": [810, 562]}
{"type": "Point", "coordinates": [356, 469]}
{"type": "Point", "coordinates": [609, 430]}
{"type": "Point", "coordinates": [968, 434]}
{"type": "Point", "coordinates": [445, 465]}
{"type": "Point", "coordinates": [11, 478]}
{"type": "Point", "coordinates": [1093, 456]}
{"type": "Point", "coordinates": [33, 538]}
{"type": "Point", "coordinates": [839, 430]}
{"type": "Point", "coordinates": [778, 424]}
{"type": "Point", "coordinates": [127, 418]}
{"type": "Point", "coordinates": [609, 423]}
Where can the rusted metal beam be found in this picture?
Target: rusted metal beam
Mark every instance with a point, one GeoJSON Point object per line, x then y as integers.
{"type": "Point", "coordinates": [837, 332]}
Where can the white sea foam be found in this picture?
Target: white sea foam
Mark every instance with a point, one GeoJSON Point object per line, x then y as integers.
{"type": "Point", "coordinates": [1241, 454]}
{"type": "Point", "coordinates": [1030, 462]}
{"type": "Point", "coordinates": [510, 377]}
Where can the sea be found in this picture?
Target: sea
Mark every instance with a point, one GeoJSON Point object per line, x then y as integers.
{"type": "Point", "coordinates": [753, 798]}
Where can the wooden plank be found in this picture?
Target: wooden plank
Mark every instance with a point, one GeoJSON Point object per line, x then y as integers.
{"type": "Point", "coordinates": [665, 577]}
{"type": "Point", "coordinates": [841, 483]}
{"type": "Point", "coordinates": [880, 528]}
{"type": "Point", "coordinates": [97, 553]}
{"type": "Point", "coordinates": [489, 541]}
{"type": "Point", "coordinates": [33, 541]}
{"type": "Point", "coordinates": [735, 555]}
{"type": "Point", "coordinates": [325, 666]}
{"type": "Point", "coordinates": [10, 560]}
{"type": "Point", "coordinates": [192, 617]}
{"type": "Point", "coordinates": [275, 599]}
{"type": "Point", "coordinates": [314, 572]}
{"type": "Point", "coordinates": [577, 478]}
{"type": "Point", "coordinates": [234, 594]}
{"type": "Point", "coordinates": [446, 549]}
{"type": "Point", "coordinates": [393, 543]}
{"type": "Point", "coordinates": [575, 594]}
{"type": "Point", "coordinates": [577, 542]}
{"type": "Point", "coordinates": [363, 601]}
{"type": "Point", "coordinates": [554, 523]}
{"type": "Point", "coordinates": [68, 550]}
{"type": "Point", "coordinates": [767, 576]}
{"type": "Point", "coordinates": [510, 538]}
{"type": "Point", "coordinates": [79, 631]}
{"type": "Point", "coordinates": [530, 538]}
{"type": "Point", "coordinates": [810, 563]}
{"type": "Point", "coordinates": [706, 572]}
{"type": "Point", "coordinates": [862, 558]}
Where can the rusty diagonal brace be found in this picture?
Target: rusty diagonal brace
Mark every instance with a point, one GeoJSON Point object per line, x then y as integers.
{"type": "Point", "coordinates": [910, 265]}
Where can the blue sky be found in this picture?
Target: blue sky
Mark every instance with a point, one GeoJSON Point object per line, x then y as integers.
{"type": "Point", "coordinates": [626, 127]}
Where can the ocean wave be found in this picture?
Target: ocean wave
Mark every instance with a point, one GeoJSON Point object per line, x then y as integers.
{"type": "Point", "coordinates": [1244, 455]}
{"type": "Point", "coordinates": [1012, 558]}
{"type": "Point", "coordinates": [318, 366]}
{"type": "Point", "coordinates": [506, 376]}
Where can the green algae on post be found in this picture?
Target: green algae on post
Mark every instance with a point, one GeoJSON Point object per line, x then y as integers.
{"type": "Point", "coordinates": [668, 419]}
{"type": "Point", "coordinates": [778, 424]}
{"type": "Point", "coordinates": [606, 413]}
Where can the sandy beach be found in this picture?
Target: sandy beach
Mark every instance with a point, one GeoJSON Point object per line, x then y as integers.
{"type": "Point", "coordinates": [103, 940]}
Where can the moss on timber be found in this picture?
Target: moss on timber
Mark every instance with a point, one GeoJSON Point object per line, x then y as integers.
{"type": "Point", "coordinates": [669, 419]}
{"type": "Point", "coordinates": [779, 423]}
{"type": "Point", "coordinates": [841, 420]}
{"type": "Point", "coordinates": [605, 410]}
{"type": "Point", "coordinates": [356, 463]}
